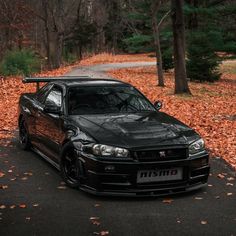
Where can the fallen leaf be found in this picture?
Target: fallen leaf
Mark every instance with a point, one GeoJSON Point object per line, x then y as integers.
{"type": "Point", "coordinates": [3, 186]}
{"type": "Point", "coordinates": [94, 218]}
{"type": "Point", "coordinates": [198, 198]}
{"type": "Point", "coordinates": [28, 173]}
{"type": "Point", "coordinates": [22, 206]}
{"type": "Point", "coordinates": [95, 222]}
{"type": "Point", "coordinates": [220, 176]}
{"type": "Point", "coordinates": [103, 233]}
{"type": "Point", "coordinates": [2, 206]}
{"type": "Point", "coordinates": [1, 174]}
{"type": "Point", "coordinates": [61, 187]}
{"type": "Point", "coordinates": [168, 200]}
{"type": "Point", "coordinates": [230, 179]}
{"type": "Point", "coordinates": [24, 178]}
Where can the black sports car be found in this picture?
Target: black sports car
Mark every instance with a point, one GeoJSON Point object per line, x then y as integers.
{"type": "Point", "coordinates": [106, 137]}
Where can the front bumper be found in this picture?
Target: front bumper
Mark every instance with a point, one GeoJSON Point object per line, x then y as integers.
{"type": "Point", "coordinates": [115, 178]}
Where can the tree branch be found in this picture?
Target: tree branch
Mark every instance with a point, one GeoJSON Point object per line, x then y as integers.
{"type": "Point", "coordinates": [163, 18]}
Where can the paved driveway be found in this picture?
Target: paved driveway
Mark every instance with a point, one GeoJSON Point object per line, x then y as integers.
{"type": "Point", "coordinates": [42, 205]}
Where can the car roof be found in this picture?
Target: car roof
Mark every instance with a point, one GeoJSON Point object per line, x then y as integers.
{"type": "Point", "coordinates": [89, 82]}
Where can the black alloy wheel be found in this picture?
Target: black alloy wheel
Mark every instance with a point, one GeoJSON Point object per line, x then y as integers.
{"type": "Point", "coordinates": [24, 136]}
{"type": "Point", "coordinates": [70, 168]}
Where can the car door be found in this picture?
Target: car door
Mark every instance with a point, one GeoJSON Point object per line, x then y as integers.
{"type": "Point", "coordinates": [37, 106]}
{"type": "Point", "coordinates": [49, 126]}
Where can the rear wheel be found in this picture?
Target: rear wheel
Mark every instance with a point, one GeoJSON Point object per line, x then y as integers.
{"type": "Point", "coordinates": [24, 136]}
{"type": "Point", "coordinates": [69, 168]}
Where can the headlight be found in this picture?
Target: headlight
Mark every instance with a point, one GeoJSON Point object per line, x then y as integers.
{"type": "Point", "coordinates": [109, 151]}
{"type": "Point", "coordinates": [197, 146]}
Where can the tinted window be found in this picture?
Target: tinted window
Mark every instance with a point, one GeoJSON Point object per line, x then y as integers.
{"type": "Point", "coordinates": [42, 93]}
{"type": "Point", "coordinates": [100, 100]}
{"type": "Point", "coordinates": [54, 97]}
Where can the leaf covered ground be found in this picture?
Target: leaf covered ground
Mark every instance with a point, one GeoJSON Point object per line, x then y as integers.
{"type": "Point", "coordinates": [211, 110]}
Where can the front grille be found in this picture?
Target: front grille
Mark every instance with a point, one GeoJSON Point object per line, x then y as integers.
{"type": "Point", "coordinates": [160, 155]}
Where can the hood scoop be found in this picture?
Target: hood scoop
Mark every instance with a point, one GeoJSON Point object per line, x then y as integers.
{"type": "Point", "coordinates": [143, 130]}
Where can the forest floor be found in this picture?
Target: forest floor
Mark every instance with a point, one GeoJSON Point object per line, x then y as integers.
{"type": "Point", "coordinates": [211, 110]}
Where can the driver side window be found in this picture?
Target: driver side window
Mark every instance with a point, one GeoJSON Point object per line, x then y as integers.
{"type": "Point", "coordinates": [54, 97]}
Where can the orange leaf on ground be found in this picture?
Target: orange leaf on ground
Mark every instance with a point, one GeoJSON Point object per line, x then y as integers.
{"type": "Point", "coordinates": [104, 233]}
{"type": "Point", "coordinates": [1, 174]}
{"type": "Point", "coordinates": [22, 206]}
{"type": "Point", "coordinates": [3, 186]}
{"type": "Point", "coordinates": [220, 176]}
{"type": "Point", "coordinates": [168, 200]}
{"type": "Point", "coordinates": [203, 222]}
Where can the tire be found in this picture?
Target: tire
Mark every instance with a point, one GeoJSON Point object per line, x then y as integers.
{"type": "Point", "coordinates": [24, 139]}
{"type": "Point", "coordinates": [69, 167]}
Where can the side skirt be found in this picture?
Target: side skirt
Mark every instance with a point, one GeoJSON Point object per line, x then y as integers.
{"type": "Point", "coordinates": [46, 158]}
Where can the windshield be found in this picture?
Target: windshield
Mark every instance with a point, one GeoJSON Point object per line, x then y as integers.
{"type": "Point", "coordinates": [101, 100]}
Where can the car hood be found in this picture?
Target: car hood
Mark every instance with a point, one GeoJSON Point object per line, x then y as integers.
{"type": "Point", "coordinates": [136, 130]}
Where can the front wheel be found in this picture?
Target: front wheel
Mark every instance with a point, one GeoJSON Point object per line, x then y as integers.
{"type": "Point", "coordinates": [69, 168]}
{"type": "Point", "coordinates": [24, 136]}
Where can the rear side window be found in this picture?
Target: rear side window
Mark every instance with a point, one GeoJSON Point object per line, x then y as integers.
{"type": "Point", "coordinates": [42, 93]}
{"type": "Point", "coordinates": [54, 97]}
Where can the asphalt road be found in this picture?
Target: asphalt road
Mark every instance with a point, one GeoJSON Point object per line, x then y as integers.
{"type": "Point", "coordinates": [98, 71]}
{"type": "Point", "coordinates": [52, 209]}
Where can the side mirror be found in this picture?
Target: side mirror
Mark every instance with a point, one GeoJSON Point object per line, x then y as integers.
{"type": "Point", "coordinates": [158, 105]}
{"type": "Point", "coordinates": [51, 108]}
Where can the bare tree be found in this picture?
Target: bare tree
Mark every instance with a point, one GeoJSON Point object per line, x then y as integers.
{"type": "Point", "coordinates": [15, 22]}
{"type": "Point", "coordinates": [156, 35]}
{"type": "Point", "coordinates": [155, 29]}
{"type": "Point", "coordinates": [181, 83]}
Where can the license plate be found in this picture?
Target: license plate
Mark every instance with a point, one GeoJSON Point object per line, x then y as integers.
{"type": "Point", "coordinates": [145, 176]}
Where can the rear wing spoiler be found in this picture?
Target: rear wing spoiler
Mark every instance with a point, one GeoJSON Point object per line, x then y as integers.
{"type": "Point", "coordinates": [38, 80]}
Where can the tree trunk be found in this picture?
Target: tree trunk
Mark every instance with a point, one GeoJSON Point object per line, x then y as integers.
{"type": "Point", "coordinates": [192, 19]}
{"type": "Point", "coordinates": [155, 30]}
{"type": "Point", "coordinates": [157, 46]}
{"type": "Point", "coordinates": [59, 50]}
{"type": "Point", "coordinates": [181, 84]}
{"type": "Point", "coordinates": [60, 29]}
{"type": "Point", "coordinates": [47, 35]}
